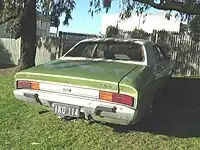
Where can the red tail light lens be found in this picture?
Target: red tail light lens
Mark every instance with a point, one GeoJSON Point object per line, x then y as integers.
{"type": "Point", "coordinates": [28, 85]}
{"type": "Point", "coordinates": [123, 99]}
{"type": "Point", "coordinates": [23, 85]}
{"type": "Point", "coordinates": [115, 97]}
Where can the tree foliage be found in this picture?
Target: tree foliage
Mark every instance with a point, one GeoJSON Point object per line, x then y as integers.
{"type": "Point", "coordinates": [20, 16]}
{"type": "Point", "coordinates": [20, 19]}
{"type": "Point", "coordinates": [138, 33]}
{"type": "Point", "coordinates": [194, 27]}
{"type": "Point", "coordinates": [184, 8]}
{"type": "Point", "coordinates": [184, 28]}
{"type": "Point", "coordinates": [114, 31]}
{"type": "Point", "coordinates": [187, 10]}
{"type": "Point", "coordinates": [111, 31]}
{"type": "Point", "coordinates": [13, 13]}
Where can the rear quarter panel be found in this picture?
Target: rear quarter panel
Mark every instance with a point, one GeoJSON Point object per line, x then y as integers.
{"type": "Point", "coordinates": [141, 79]}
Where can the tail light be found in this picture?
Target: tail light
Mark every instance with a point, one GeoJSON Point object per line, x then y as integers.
{"type": "Point", "coordinates": [23, 85]}
{"type": "Point", "coordinates": [115, 97]}
{"type": "Point", "coordinates": [28, 85]}
{"type": "Point", "coordinates": [35, 85]}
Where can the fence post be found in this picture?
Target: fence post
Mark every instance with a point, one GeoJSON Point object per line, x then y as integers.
{"type": "Point", "coordinates": [154, 36]}
{"type": "Point", "coordinates": [60, 44]}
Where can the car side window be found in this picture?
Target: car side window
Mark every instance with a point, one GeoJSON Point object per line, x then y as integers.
{"type": "Point", "coordinates": [160, 56]}
{"type": "Point", "coordinates": [160, 53]}
{"type": "Point", "coordinates": [164, 52]}
{"type": "Point", "coordinates": [84, 49]}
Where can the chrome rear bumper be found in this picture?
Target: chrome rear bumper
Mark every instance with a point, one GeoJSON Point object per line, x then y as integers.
{"type": "Point", "coordinates": [97, 109]}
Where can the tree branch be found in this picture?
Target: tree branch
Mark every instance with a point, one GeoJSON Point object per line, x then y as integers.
{"type": "Point", "coordinates": [191, 9]}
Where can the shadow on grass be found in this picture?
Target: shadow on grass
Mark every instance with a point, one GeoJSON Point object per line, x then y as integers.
{"type": "Point", "coordinates": [177, 111]}
{"type": "Point", "coordinates": [5, 57]}
{"type": "Point", "coordinates": [6, 66]}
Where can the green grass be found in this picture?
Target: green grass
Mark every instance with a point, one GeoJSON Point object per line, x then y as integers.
{"type": "Point", "coordinates": [22, 128]}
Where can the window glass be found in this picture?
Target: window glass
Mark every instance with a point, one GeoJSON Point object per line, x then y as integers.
{"type": "Point", "coordinates": [108, 50]}
{"type": "Point", "coordinates": [84, 49]}
{"type": "Point", "coordinates": [120, 51]}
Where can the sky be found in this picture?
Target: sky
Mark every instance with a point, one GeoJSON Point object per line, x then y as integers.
{"type": "Point", "coordinates": [82, 21]}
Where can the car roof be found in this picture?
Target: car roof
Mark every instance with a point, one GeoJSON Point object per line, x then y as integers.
{"type": "Point", "coordinates": [130, 40]}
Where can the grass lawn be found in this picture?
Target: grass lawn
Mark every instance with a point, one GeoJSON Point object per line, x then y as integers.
{"type": "Point", "coordinates": [176, 127]}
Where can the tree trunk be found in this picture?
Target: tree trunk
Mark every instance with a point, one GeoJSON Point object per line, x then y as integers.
{"type": "Point", "coordinates": [28, 36]}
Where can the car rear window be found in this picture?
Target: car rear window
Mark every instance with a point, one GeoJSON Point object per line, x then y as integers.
{"type": "Point", "coordinates": [108, 50]}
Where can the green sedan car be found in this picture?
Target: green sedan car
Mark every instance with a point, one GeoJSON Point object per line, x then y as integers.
{"type": "Point", "coordinates": [104, 79]}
